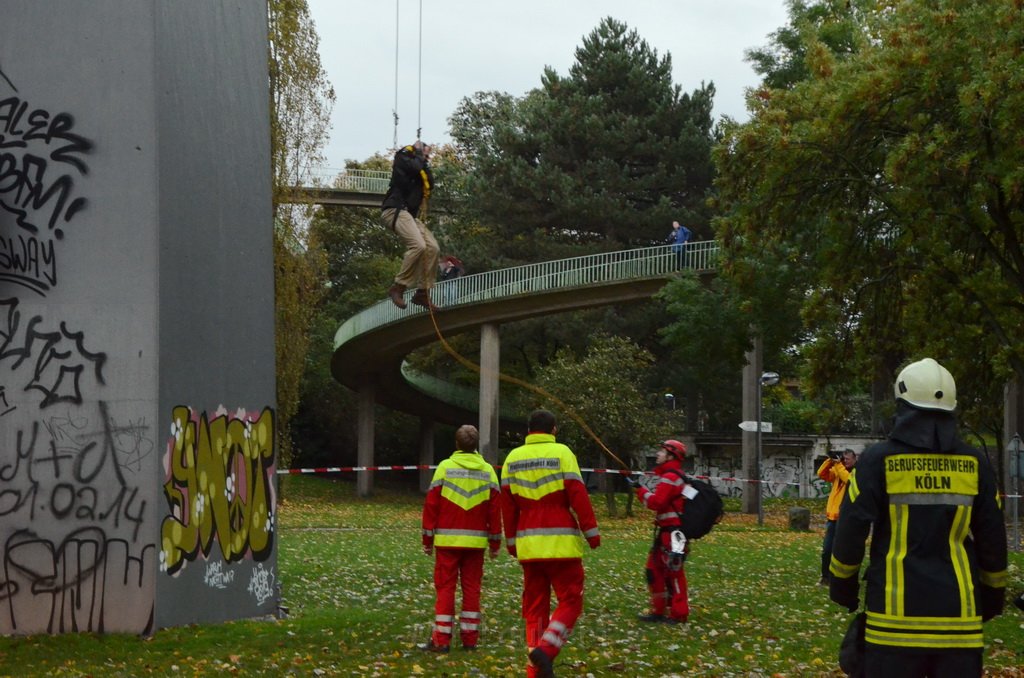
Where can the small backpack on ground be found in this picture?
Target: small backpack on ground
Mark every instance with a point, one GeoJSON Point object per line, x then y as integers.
{"type": "Point", "coordinates": [702, 510]}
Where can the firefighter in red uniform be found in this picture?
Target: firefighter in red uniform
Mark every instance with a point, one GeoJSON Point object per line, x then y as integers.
{"type": "Point", "coordinates": [541, 490]}
{"type": "Point", "coordinates": [461, 518]}
{"type": "Point", "coordinates": [666, 579]}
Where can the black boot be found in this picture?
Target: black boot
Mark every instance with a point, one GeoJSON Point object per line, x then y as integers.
{"type": "Point", "coordinates": [543, 663]}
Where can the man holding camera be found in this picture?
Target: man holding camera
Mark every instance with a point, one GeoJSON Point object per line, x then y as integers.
{"type": "Point", "coordinates": [836, 470]}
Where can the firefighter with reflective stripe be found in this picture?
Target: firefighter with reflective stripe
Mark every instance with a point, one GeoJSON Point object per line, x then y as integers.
{"type": "Point", "coordinates": [546, 510]}
{"type": "Point", "coordinates": [461, 518]}
{"type": "Point", "coordinates": [666, 579]}
{"type": "Point", "coordinates": [937, 566]}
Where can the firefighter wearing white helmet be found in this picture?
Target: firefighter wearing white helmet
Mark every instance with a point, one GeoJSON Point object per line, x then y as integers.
{"type": "Point", "coordinates": [666, 579]}
{"type": "Point", "coordinates": [937, 567]}
{"type": "Point", "coordinates": [927, 385]}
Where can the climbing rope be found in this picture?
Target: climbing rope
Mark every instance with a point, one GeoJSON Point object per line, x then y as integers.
{"type": "Point", "coordinates": [394, 110]}
{"type": "Point", "coordinates": [419, 81]}
{"type": "Point", "coordinates": [529, 387]}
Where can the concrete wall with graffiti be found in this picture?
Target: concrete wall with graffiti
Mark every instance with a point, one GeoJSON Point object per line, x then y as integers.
{"type": "Point", "coordinates": [787, 470]}
{"type": "Point", "coordinates": [136, 316]}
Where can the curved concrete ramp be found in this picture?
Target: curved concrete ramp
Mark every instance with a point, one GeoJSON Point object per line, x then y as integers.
{"type": "Point", "coordinates": [370, 347]}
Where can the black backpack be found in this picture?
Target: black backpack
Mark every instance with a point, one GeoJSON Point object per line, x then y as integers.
{"type": "Point", "coordinates": [702, 510]}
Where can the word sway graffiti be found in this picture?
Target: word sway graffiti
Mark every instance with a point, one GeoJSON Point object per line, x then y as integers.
{"type": "Point", "coordinates": [41, 156]}
{"type": "Point", "coordinates": [219, 487]}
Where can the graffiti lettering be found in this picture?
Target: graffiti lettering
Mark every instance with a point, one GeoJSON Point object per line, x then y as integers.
{"type": "Point", "coordinates": [87, 582]}
{"type": "Point", "coordinates": [8, 81]}
{"type": "Point", "coordinates": [60, 356]}
{"type": "Point", "coordinates": [219, 488]}
{"type": "Point", "coordinates": [68, 458]}
{"type": "Point", "coordinates": [29, 262]}
{"type": "Point", "coordinates": [261, 585]}
{"type": "Point", "coordinates": [5, 407]}
{"type": "Point", "coordinates": [40, 157]}
{"type": "Point", "coordinates": [216, 577]}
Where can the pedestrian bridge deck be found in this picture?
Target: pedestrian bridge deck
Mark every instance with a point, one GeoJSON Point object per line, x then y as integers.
{"type": "Point", "coordinates": [370, 347]}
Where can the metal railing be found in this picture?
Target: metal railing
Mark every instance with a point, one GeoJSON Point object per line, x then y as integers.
{"type": "Point", "coordinates": [548, 276]}
{"type": "Point", "coordinates": [362, 181]}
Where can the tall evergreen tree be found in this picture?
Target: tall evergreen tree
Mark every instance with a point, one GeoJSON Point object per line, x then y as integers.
{"type": "Point", "coordinates": [613, 152]}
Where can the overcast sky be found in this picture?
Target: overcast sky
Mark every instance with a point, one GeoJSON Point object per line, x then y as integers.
{"type": "Point", "coordinates": [480, 45]}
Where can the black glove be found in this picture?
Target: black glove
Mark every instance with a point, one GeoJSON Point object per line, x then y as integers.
{"type": "Point", "coordinates": [1019, 601]}
{"type": "Point", "coordinates": [844, 592]}
{"type": "Point", "coordinates": [630, 480]}
{"type": "Point", "coordinates": [991, 602]}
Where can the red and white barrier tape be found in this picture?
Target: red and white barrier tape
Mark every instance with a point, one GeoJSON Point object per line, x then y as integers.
{"type": "Point", "coordinates": [612, 471]}
{"type": "Point", "coordinates": [426, 467]}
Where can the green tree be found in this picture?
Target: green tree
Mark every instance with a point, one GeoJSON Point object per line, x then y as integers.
{"type": "Point", "coordinates": [886, 187]}
{"type": "Point", "coordinates": [300, 105]}
{"type": "Point", "coordinates": [602, 388]}
{"type": "Point", "coordinates": [611, 153]}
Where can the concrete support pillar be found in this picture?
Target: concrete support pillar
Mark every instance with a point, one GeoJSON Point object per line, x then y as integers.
{"type": "Point", "coordinates": [751, 469]}
{"type": "Point", "coordinates": [490, 352]}
{"type": "Point", "coordinates": [364, 436]}
{"type": "Point", "coordinates": [426, 452]}
{"type": "Point", "coordinates": [136, 232]}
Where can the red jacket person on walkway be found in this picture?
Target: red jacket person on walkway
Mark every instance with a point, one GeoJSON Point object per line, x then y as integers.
{"type": "Point", "coordinates": [461, 518]}
{"type": "Point", "coordinates": [666, 579]}
{"type": "Point", "coordinates": [546, 508]}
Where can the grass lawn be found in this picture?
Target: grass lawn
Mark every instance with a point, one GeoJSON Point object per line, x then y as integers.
{"type": "Point", "coordinates": [359, 593]}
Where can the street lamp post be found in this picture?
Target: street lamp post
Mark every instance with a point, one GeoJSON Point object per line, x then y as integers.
{"type": "Point", "coordinates": [767, 379]}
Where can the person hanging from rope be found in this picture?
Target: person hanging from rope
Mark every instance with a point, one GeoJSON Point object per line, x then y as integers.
{"type": "Point", "coordinates": [411, 181]}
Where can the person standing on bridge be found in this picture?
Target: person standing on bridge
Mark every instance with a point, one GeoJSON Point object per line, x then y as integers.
{"type": "Point", "coordinates": [678, 238]}
{"type": "Point", "coordinates": [937, 568]}
{"type": "Point", "coordinates": [461, 518]}
{"type": "Point", "coordinates": [411, 182]}
{"type": "Point", "coordinates": [545, 508]}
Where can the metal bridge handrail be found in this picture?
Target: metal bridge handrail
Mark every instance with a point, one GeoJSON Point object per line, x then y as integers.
{"type": "Point", "coordinates": [362, 181]}
{"type": "Point", "coordinates": [548, 276]}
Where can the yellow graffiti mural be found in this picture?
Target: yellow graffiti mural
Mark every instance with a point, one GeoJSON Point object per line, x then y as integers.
{"type": "Point", "coordinates": [219, 487]}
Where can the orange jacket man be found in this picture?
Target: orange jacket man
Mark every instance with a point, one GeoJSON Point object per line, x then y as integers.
{"type": "Point", "coordinates": [835, 470]}
{"type": "Point", "coordinates": [541, 490]}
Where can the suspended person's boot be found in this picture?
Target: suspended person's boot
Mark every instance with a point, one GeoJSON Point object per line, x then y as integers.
{"type": "Point", "coordinates": [397, 295]}
{"type": "Point", "coordinates": [422, 298]}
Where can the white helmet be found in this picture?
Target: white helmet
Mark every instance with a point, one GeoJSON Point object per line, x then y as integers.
{"type": "Point", "coordinates": [927, 385]}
